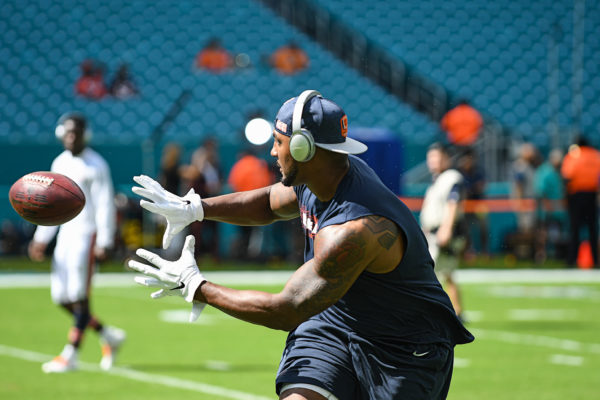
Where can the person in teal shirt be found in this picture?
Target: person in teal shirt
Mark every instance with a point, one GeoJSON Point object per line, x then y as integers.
{"type": "Point", "coordinates": [549, 193]}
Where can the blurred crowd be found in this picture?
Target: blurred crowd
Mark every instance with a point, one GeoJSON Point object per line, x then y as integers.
{"type": "Point", "coordinates": [201, 171]}
{"type": "Point", "coordinates": [553, 197]}
{"type": "Point", "coordinates": [564, 213]}
{"type": "Point", "coordinates": [213, 57]}
{"type": "Point", "coordinates": [92, 83]}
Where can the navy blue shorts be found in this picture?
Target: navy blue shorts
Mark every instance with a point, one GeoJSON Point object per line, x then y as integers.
{"type": "Point", "coordinates": [351, 367]}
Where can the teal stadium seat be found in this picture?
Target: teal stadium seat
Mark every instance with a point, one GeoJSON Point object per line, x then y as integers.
{"type": "Point", "coordinates": [45, 41]}
{"type": "Point", "coordinates": [495, 53]}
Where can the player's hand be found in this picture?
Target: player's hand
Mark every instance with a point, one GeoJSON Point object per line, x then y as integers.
{"type": "Point", "coordinates": [102, 253]}
{"type": "Point", "coordinates": [179, 211]}
{"type": "Point", "coordinates": [174, 278]}
{"type": "Point", "coordinates": [37, 251]}
{"type": "Point", "coordinates": [443, 235]}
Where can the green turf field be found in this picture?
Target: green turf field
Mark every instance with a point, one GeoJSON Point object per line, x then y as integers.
{"type": "Point", "coordinates": [534, 341]}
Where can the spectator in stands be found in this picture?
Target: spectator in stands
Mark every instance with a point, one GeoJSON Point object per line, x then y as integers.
{"type": "Point", "coordinates": [214, 57]}
{"type": "Point", "coordinates": [203, 174]}
{"type": "Point", "coordinates": [581, 171]}
{"type": "Point", "coordinates": [91, 82]}
{"type": "Point", "coordinates": [549, 194]}
{"type": "Point", "coordinates": [122, 86]}
{"type": "Point", "coordinates": [248, 173]}
{"type": "Point", "coordinates": [440, 218]}
{"type": "Point", "coordinates": [474, 187]}
{"type": "Point", "coordinates": [462, 124]}
{"type": "Point", "coordinates": [523, 171]}
{"type": "Point", "coordinates": [289, 59]}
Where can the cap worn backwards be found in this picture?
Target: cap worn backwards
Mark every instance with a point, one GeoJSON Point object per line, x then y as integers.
{"type": "Point", "coordinates": [325, 120]}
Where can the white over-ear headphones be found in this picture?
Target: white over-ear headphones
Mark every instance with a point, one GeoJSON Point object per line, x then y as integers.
{"type": "Point", "coordinates": [60, 126]}
{"type": "Point", "coordinates": [302, 143]}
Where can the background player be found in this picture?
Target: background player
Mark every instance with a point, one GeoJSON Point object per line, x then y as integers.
{"type": "Point", "coordinates": [87, 237]}
{"type": "Point", "coordinates": [367, 317]}
{"type": "Point", "coordinates": [440, 216]}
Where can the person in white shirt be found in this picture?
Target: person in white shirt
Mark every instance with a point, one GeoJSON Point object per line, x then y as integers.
{"type": "Point", "coordinates": [80, 242]}
{"type": "Point", "coordinates": [440, 216]}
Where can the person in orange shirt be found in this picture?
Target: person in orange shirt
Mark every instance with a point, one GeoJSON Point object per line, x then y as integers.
{"type": "Point", "coordinates": [249, 173]}
{"type": "Point", "coordinates": [462, 124]}
{"type": "Point", "coordinates": [91, 82]}
{"type": "Point", "coordinates": [581, 171]}
{"type": "Point", "coordinates": [214, 57]}
{"type": "Point", "coordinates": [289, 59]}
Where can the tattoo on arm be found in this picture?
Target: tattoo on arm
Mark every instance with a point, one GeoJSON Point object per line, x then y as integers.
{"type": "Point", "coordinates": [385, 230]}
{"type": "Point", "coordinates": [341, 254]}
{"type": "Point", "coordinates": [340, 259]}
{"type": "Point", "coordinates": [345, 252]}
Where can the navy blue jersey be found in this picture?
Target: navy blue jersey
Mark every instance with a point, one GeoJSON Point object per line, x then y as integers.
{"type": "Point", "coordinates": [406, 305]}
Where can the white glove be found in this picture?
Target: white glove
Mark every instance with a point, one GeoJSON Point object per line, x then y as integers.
{"type": "Point", "coordinates": [174, 278]}
{"type": "Point", "coordinates": [179, 211]}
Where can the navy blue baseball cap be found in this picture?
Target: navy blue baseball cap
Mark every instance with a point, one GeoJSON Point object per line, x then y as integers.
{"type": "Point", "coordinates": [325, 120]}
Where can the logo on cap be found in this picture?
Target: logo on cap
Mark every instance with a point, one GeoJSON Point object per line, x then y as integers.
{"type": "Point", "coordinates": [282, 126]}
{"type": "Point", "coordinates": [344, 125]}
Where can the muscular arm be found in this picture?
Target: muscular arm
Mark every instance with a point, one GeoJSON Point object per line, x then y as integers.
{"type": "Point", "coordinates": [255, 207]}
{"type": "Point", "coordinates": [342, 253]}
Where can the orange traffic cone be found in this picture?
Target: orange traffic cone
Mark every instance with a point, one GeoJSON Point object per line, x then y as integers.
{"type": "Point", "coordinates": [585, 260]}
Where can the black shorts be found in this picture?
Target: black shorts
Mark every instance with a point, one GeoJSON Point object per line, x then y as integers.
{"type": "Point", "coordinates": [353, 368]}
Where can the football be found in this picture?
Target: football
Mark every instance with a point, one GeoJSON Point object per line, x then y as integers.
{"type": "Point", "coordinates": [46, 198]}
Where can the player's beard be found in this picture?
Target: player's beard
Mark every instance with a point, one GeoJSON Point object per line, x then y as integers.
{"type": "Point", "coordinates": [289, 178]}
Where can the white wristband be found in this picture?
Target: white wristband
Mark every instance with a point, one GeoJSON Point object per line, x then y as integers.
{"type": "Point", "coordinates": [192, 286]}
{"type": "Point", "coordinates": [195, 204]}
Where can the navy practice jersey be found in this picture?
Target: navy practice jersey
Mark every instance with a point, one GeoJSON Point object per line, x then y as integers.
{"type": "Point", "coordinates": [406, 305]}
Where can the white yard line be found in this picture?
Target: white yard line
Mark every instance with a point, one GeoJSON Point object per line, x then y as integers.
{"type": "Point", "coordinates": [461, 362]}
{"type": "Point", "coordinates": [536, 340]}
{"type": "Point", "coordinates": [139, 376]}
{"type": "Point", "coordinates": [182, 316]}
{"type": "Point", "coordinates": [576, 291]}
{"type": "Point", "coordinates": [466, 276]}
{"type": "Point", "coordinates": [563, 359]}
{"type": "Point", "coordinates": [539, 314]}
{"type": "Point", "coordinates": [125, 279]}
{"type": "Point", "coordinates": [528, 276]}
